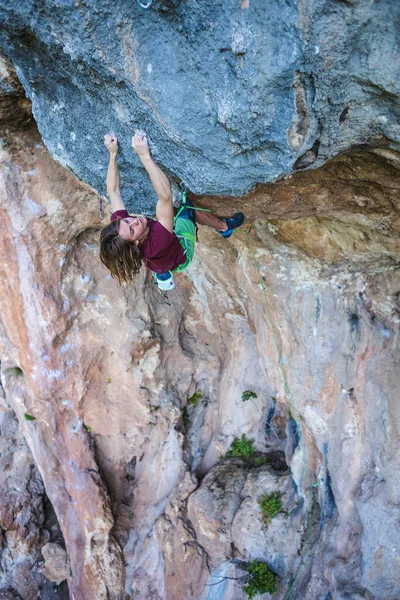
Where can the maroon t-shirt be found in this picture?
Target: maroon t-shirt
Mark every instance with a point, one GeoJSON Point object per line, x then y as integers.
{"type": "Point", "coordinates": [161, 249]}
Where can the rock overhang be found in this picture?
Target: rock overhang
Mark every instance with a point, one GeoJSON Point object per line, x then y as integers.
{"type": "Point", "coordinates": [230, 96]}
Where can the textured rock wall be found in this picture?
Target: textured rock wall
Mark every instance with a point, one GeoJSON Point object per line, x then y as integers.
{"type": "Point", "coordinates": [28, 523]}
{"type": "Point", "coordinates": [107, 372]}
{"type": "Point", "coordinates": [30, 326]}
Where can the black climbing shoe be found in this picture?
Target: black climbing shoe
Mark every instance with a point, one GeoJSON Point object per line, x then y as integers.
{"type": "Point", "coordinates": [233, 223]}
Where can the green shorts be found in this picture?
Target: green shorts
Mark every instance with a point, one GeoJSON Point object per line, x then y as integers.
{"type": "Point", "coordinates": [185, 230]}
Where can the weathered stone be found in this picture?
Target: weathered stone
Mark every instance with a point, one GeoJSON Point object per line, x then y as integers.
{"type": "Point", "coordinates": [213, 506]}
{"type": "Point", "coordinates": [24, 517]}
{"type": "Point", "coordinates": [9, 595]}
{"type": "Point", "coordinates": [55, 566]}
{"type": "Point", "coordinates": [74, 487]}
{"type": "Point", "coordinates": [279, 542]}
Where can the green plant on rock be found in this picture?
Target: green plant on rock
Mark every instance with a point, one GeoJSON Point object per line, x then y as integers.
{"type": "Point", "coordinates": [29, 417]}
{"type": "Point", "coordinates": [14, 372]}
{"type": "Point", "coordinates": [270, 506]}
{"type": "Point", "coordinates": [261, 579]}
{"type": "Point", "coordinates": [241, 447]}
{"type": "Point", "coordinates": [194, 399]}
{"type": "Point", "coordinates": [247, 395]}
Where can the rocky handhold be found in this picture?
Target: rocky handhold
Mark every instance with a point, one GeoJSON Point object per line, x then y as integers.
{"type": "Point", "coordinates": [55, 566]}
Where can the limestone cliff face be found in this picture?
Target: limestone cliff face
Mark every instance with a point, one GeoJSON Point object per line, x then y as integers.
{"type": "Point", "coordinates": [99, 417]}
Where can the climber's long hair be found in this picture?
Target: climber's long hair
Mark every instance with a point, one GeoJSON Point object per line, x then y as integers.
{"type": "Point", "coordinates": [122, 258]}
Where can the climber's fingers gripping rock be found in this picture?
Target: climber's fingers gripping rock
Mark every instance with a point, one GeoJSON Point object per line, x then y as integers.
{"type": "Point", "coordinates": [111, 143]}
{"type": "Point", "coordinates": [140, 144]}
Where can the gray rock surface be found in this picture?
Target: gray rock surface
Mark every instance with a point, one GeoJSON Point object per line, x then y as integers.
{"type": "Point", "coordinates": [226, 516]}
{"type": "Point", "coordinates": [230, 95]}
{"type": "Point", "coordinates": [27, 521]}
{"type": "Point", "coordinates": [213, 506]}
{"type": "Point", "coordinates": [278, 542]}
{"type": "Point", "coordinates": [55, 567]}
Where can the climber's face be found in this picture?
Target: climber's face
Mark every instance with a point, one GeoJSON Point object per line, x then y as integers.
{"type": "Point", "coordinates": [133, 229]}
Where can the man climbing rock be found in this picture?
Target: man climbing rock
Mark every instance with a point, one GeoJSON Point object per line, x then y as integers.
{"type": "Point", "coordinates": [164, 245]}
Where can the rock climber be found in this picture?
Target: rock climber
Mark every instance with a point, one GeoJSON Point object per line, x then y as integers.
{"type": "Point", "coordinates": [164, 245]}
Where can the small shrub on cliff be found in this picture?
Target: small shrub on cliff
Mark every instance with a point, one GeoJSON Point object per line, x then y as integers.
{"type": "Point", "coordinates": [14, 372]}
{"type": "Point", "coordinates": [247, 395]}
{"type": "Point", "coordinates": [260, 579]}
{"type": "Point", "coordinates": [29, 417]}
{"type": "Point", "coordinates": [241, 447]}
{"type": "Point", "coordinates": [270, 506]}
{"type": "Point", "coordinates": [194, 400]}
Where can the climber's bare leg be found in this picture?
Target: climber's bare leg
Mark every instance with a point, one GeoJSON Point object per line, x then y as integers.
{"type": "Point", "coordinates": [210, 220]}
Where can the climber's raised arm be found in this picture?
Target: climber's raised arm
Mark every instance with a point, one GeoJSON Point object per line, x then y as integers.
{"type": "Point", "coordinates": [161, 184]}
{"type": "Point", "coordinates": [113, 191]}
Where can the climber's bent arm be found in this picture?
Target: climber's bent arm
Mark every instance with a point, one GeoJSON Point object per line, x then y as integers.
{"type": "Point", "coordinates": [161, 184]}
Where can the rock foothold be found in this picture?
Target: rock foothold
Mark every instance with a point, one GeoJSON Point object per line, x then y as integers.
{"type": "Point", "coordinates": [55, 566]}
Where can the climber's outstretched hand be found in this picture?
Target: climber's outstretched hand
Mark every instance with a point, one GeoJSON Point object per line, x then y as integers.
{"type": "Point", "coordinates": [111, 143]}
{"type": "Point", "coordinates": [140, 144]}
